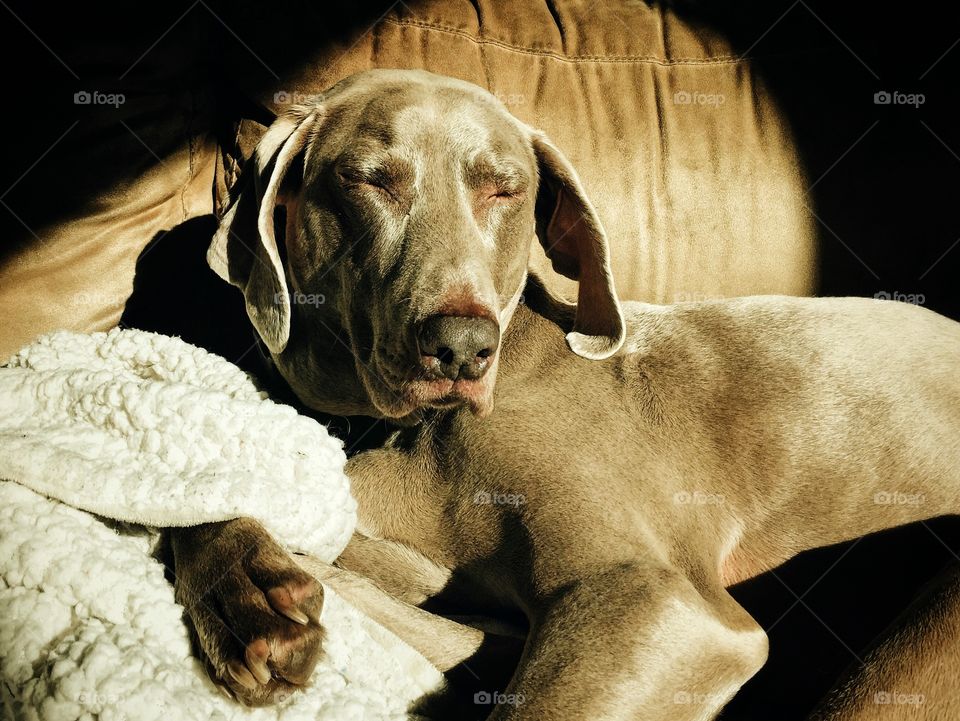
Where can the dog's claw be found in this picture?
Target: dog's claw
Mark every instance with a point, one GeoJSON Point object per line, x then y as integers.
{"type": "Point", "coordinates": [282, 602]}
{"type": "Point", "coordinates": [241, 675]}
{"type": "Point", "coordinates": [256, 657]}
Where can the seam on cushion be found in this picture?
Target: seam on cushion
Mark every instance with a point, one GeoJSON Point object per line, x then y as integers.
{"type": "Point", "coordinates": [481, 49]}
{"type": "Point", "coordinates": [650, 59]}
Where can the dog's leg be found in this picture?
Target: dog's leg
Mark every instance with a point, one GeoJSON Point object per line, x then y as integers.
{"type": "Point", "coordinates": [402, 537]}
{"type": "Point", "coordinates": [471, 659]}
{"type": "Point", "coordinates": [633, 642]}
{"type": "Point", "coordinates": [913, 672]}
{"type": "Point", "coordinates": [399, 570]}
{"type": "Point", "coordinates": [253, 612]}
{"type": "Point", "coordinates": [442, 642]}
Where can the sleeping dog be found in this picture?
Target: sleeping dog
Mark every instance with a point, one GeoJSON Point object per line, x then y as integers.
{"type": "Point", "coordinates": [607, 469]}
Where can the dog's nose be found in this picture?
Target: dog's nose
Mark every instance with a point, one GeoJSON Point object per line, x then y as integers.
{"type": "Point", "coordinates": [457, 347]}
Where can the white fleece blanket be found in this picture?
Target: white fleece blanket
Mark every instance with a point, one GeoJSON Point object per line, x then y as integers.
{"type": "Point", "coordinates": [105, 437]}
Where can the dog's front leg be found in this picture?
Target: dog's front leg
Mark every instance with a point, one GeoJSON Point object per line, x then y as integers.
{"type": "Point", "coordinates": [253, 611]}
{"type": "Point", "coordinates": [635, 642]}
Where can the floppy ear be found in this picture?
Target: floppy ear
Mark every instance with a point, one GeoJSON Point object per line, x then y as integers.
{"type": "Point", "coordinates": [244, 249]}
{"type": "Point", "coordinates": [574, 241]}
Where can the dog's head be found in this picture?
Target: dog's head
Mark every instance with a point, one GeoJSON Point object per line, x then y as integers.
{"type": "Point", "coordinates": [409, 202]}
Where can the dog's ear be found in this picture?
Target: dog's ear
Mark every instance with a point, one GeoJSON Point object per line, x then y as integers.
{"type": "Point", "coordinates": [574, 241]}
{"type": "Point", "coordinates": [244, 249]}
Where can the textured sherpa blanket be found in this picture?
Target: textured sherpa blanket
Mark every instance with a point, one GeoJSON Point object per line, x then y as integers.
{"type": "Point", "coordinates": [103, 439]}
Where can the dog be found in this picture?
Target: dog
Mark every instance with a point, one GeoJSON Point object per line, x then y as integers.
{"type": "Point", "coordinates": [607, 469]}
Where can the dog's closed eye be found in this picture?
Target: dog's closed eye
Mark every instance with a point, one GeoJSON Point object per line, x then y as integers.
{"type": "Point", "coordinates": [351, 177]}
{"type": "Point", "coordinates": [499, 192]}
{"type": "Point", "coordinates": [382, 181]}
{"type": "Point", "coordinates": [496, 181]}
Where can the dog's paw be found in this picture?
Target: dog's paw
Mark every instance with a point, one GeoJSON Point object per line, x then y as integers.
{"type": "Point", "coordinates": [254, 612]}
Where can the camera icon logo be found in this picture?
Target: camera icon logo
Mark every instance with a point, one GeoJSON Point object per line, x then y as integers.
{"type": "Point", "coordinates": [281, 97]}
{"type": "Point", "coordinates": [482, 698]}
{"type": "Point", "coordinates": [82, 98]}
{"type": "Point", "coordinates": [682, 97]}
{"type": "Point", "coordinates": [882, 98]}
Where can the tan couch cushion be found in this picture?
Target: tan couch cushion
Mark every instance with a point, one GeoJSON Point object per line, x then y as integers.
{"type": "Point", "coordinates": [79, 274]}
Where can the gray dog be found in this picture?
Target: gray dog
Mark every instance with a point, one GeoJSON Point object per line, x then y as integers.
{"type": "Point", "coordinates": [610, 493]}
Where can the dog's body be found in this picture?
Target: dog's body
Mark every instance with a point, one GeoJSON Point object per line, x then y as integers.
{"type": "Point", "coordinates": [610, 489]}
{"type": "Point", "coordinates": [613, 501]}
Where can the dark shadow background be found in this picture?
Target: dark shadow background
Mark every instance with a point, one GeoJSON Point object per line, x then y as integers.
{"type": "Point", "coordinates": [885, 182]}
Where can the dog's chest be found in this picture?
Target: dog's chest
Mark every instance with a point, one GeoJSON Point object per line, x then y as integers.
{"type": "Point", "coordinates": [532, 485]}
